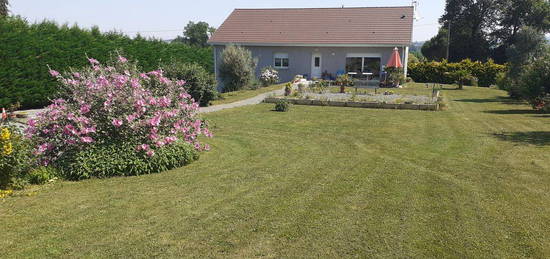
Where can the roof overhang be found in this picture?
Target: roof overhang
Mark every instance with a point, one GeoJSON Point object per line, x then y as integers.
{"type": "Point", "coordinates": [262, 44]}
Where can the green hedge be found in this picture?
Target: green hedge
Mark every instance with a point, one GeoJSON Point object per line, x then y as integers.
{"type": "Point", "coordinates": [27, 49]}
{"type": "Point", "coordinates": [441, 72]}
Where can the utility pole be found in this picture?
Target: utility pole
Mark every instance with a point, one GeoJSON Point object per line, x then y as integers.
{"type": "Point", "coordinates": [448, 40]}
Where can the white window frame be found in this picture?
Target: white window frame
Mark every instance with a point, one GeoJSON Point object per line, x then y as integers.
{"type": "Point", "coordinates": [364, 56]}
{"type": "Point", "coordinates": [281, 57]}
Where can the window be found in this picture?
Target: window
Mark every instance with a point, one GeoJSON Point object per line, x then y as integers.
{"type": "Point", "coordinates": [363, 63]}
{"type": "Point", "coordinates": [317, 61]}
{"type": "Point", "coordinates": [280, 60]}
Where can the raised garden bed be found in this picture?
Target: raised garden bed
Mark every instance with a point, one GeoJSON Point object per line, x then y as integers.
{"type": "Point", "coordinates": [356, 104]}
{"type": "Point", "coordinates": [406, 102]}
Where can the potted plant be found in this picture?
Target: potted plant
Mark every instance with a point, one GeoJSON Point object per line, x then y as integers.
{"type": "Point", "coordinates": [288, 89]}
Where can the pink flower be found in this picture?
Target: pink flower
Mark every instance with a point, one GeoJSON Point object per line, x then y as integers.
{"type": "Point", "coordinates": [43, 148]}
{"type": "Point", "coordinates": [76, 75]}
{"type": "Point", "coordinates": [143, 147]}
{"type": "Point", "coordinates": [170, 140]}
{"type": "Point", "coordinates": [150, 153]}
{"type": "Point", "coordinates": [184, 95]}
{"type": "Point", "coordinates": [117, 123]}
{"type": "Point", "coordinates": [155, 121]}
{"type": "Point", "coordinates": [206, 147]}
{"type": "Point", "coordinates": [135, 83]}
{"type": "Point", "coordinates": [54, 73]}
{"type": "Point", "coordinates": [164, 101]}
{"type": "Point", "coordinates": [87, 139]}
{"type": "Point", "coordinates": [180, 82]}
{"type": "Point", "coordinates": [122, 59]}
{"type": "Point", "coordinates": [32, 123]}
{"type": "Point", "coordinates": [88, 130]}
{"type": "Point", "coordinates": [131, 117]}
{"type": "Point", "coordinates": [85, 108]}
{"type": "Point", "coordinates": [93, 61]}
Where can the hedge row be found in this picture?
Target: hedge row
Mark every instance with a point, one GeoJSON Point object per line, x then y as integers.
{"type": "Point", "coordinates": [438, 72]}
{"type": "Point", "coordinates": [27, 49]}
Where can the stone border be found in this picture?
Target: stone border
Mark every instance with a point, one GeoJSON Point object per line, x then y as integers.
{"type": "Point", "coordinates": [400, 106]}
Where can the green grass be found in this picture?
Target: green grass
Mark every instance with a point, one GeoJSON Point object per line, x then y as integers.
{"type": "Point", "coordinates": [236, 96]}
{"type": "Point", "coordinates": [469, 182]}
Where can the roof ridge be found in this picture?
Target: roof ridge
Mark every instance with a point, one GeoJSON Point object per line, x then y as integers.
{"type": "Point", "coordinates": [313, 8]}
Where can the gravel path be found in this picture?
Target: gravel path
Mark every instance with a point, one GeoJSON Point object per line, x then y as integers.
{"type": "Point", "coordinates": [250, 101]}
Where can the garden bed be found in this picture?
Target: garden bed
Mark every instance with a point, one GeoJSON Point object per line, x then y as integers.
{"type": "Point", "coordinates": [379, 101]}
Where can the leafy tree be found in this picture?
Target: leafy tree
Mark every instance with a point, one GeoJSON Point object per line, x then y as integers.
{"type": "Point", "coordinates": [196, 34]}
{"type": "Point", "coordinates": [436, 47]}
{"type": "Point", "coordinates": [470, 21]}
{"type": "Point", "coordinates": [529, 44]}
{"type": "Point", "coordinates": [535, 83]}
{"type": "Point", "coordinates": [483, 29]}
{"type": "Point", "coordinates": [237, 68]}
{"type": "Point", "coordinates": [514, 15]}
{"type": "Point", "coordinates": [4, 7]}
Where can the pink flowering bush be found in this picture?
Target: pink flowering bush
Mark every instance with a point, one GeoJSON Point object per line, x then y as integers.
{"type": "Point", "coordinates": [116, 105]}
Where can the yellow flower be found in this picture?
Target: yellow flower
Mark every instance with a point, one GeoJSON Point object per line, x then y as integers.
{"type": "Point", "coordinates": [5, 135]}
{"type": "Point", "coordinates": [8, 149]}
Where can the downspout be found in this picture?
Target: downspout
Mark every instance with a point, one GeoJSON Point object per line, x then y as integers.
{"type": "Point", "coordinates": [405, 65]}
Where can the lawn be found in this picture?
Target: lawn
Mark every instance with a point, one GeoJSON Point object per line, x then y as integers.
{"type": "Point", "coordinates": [469, 182]}
{"type": "Point", "coordinates": [236, 96]}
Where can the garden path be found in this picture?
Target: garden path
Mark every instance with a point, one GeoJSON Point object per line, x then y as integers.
{"type": "Point", "coordinates": [250, 101]}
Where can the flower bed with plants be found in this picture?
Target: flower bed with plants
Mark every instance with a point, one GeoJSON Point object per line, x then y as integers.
{"type": "Point", "coordinates": [319, 93]}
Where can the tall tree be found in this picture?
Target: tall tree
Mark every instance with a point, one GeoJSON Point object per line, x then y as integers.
{"type": "Point", "coordinates": [470, 22]}
{"type": "Point", "coordinates": [436, 47]}
{"type": "Point", "coordinates": [196, 34]}
{"type": "Point", "coordinates": [515, 15]}
{"type": "Point", "coordinates": [4, 7]}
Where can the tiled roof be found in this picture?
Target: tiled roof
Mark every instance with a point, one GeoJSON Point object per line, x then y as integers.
{"type": "Point", "coordinates": [363, 25]}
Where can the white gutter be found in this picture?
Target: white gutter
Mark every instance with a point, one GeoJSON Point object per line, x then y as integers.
{"type": "Point", "coordinates": [302, 44]}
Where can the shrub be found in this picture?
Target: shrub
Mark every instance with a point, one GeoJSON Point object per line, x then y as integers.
{"type": "Point", "coordinates": [269, 76]}
{"type": "Point", "coordinates": [301, 87]}
{"type": "Point", "coordinates": [26, 50]}
{"type": "Point", "coordinates": [120, 159]}
{"type": "Point", "coordinates": [236, 68]}
{"type": "Point", "coordinates": [344, 80]}
{"type": "Point", "coordinates": [288, 89]}
{"type": "Point", "coordinates": [200, 84]}
{"type": "Point", "coordinates": [41, 175]}
{"type": "Point", "coordinates": [282, 106]}
{"type": "Point", "coordinates": [534, 83]}
{"type": "Point", "coordinates": [114, 104]}
{"type": "Point", "coordinates": [460, 77]}
{"type": "Point", "coordinates": [396, 75]}
{"type": "Point", "coordinates": [439, 72]}
{"type": "Point", "coordinates": [15, 158]}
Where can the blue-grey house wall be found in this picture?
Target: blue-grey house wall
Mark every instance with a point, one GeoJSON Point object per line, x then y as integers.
{"type": "Point", "coordinates": [300, 58]}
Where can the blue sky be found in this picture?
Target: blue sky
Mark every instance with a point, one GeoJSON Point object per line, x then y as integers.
{"type": "Point", "coordinates": [166, 18]}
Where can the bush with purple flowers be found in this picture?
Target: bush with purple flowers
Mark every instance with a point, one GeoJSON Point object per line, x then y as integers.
{"type": "Point", "coordinates": [112, 105]}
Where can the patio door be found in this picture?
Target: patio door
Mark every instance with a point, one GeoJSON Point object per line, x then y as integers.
{"type": "Point", "coordinates": [316, 64]}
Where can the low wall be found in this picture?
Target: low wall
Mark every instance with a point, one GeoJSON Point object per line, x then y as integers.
{"type": "Point", "coordinates": [401, 106]}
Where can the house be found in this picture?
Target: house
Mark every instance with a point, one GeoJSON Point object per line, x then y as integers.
{"type": "Point", "coordinates": [318, 42]}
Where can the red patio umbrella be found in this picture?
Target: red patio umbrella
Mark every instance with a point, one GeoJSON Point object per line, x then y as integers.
{"type": "Point", "coordinates": [395, 59]}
